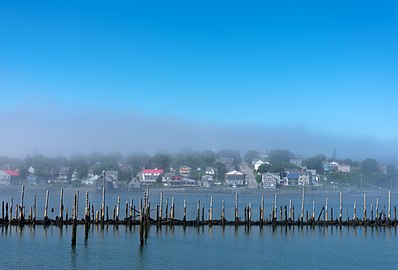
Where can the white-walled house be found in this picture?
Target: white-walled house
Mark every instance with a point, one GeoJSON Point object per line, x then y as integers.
{"type": "Point", "coordinates": [270, 180]}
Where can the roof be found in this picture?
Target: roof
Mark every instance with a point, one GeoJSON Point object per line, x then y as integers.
{"type": "Point", "coordinates": [154, 171]}
{"type": "Point", "coordinates": [11, 172]}
{"type": "Point", "coordinates": [234, 173]}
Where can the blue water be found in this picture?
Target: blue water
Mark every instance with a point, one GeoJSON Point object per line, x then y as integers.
{"type": "Point", "coordinates": [200, 247]}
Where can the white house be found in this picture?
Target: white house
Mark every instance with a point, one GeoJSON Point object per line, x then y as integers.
{"type": "Point", "coordinates": [270, 180]}
{"type": "Point", "coordinates": [149, 176]}
{"type": "Point", "coordinates": [345, 168]}
{"type": "Point", "coordinates": [235, 179]}
{"type": "Point", "coordinates": [258, 163]}
{"type": "Point", "coordinates": [5, 178]}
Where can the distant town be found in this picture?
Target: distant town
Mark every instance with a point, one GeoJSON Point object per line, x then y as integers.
{"type": "Point", "coordinates": [277, 169]}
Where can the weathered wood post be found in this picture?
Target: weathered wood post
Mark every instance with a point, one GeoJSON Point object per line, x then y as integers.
{"type": "Point", "coordinates": [161, 207]}
{"type": "Point", "coordinates": [341, 208]}
{"type": "Point", "coordinates": [236, 208]}
{"type": "Point", "coordinates": [127, 211]}
{"type": "Point", "coordinates": [355, 211]}
{"type": "Point", "coordinates": [141, 223]}
{"type": "Point", "coordinates": [364, 207]}
{"type": "Point", "coordinates": [77, 204]}
{"type": "Point", "coordinates": [61, 206]}
{"type": "Point", "coordinates": [198, 214]}
{"type": "Point", "coordinates": [203, 214]}
{"type": "Point", "coordinates": [302, 205]}
{"type": "Point", "coordinates": [249, 214]}
{"type": "Point", "coordinates": [313, 211]}
{"type": "Point", "coordinates": [326, 210]}
{"type": "Point", "coordinates": [74, 217]}
{"type": "Point", "coordinates": [93, 213]}
{"type": "Point", "coordinates": [6, 217]}
{"type": "Point", "coordinates": [118, 209]}
{"type": "Point", "coordinates": [21, 216]}
{"type": "Point", "coordinates": [285, 210]}
{"type": "Point", "coordinates": [2, 211]}
{"type": "Point", "coordinates": [389, 205]}
{"type": "Point", "coordinates": [290, 210]}
{"type": "Point", "coordinates": [87, 209]}
{"type": "Point", "coordinates": [172, 211]}
{"type": "Point", "coordinates": [395, 214]}
{"type": "Point", "coordinates": [371, 212]}
{"type": "Point", "coordinates": [262, 210]}
{"type": "Point", "coordinates": [275, 209]}
{"type": "Point", "coordinates": [46, 207]}
{"type": "Point", "coordinates": [34, 208]}
{"type": "Point", "coordinates": [11, 206]}
{"type": "Point", "coordinates": [223, 212]}
{"type": "Point", "coordinates": [185, 213]}
{"type": "Point", "coordinates": [103, 201]}
{"type": "Point", "coordinates": [131, 209]}
{"type": "Point", "coordinates": [30, 214]}
{"type": "Point", "coordinates": [211, 209]}
{"type": "Point", "coordinates": [377, 209]}
{"type": "Point", "coordinates": [167, 209]}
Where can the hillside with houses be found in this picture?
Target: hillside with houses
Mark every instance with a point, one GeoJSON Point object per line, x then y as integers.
{"type": "Point", "coordinates": [277, 169]}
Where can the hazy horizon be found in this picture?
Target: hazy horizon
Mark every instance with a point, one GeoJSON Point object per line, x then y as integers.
{"type": "Point", "coordinates": [132, 76]}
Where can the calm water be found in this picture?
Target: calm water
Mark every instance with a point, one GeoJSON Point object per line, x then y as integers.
{"type": "Point", "coordinates": [203, 247]}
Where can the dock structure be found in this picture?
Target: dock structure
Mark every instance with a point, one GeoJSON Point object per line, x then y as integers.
{"type": "Point", "coordinates": [142, 216]}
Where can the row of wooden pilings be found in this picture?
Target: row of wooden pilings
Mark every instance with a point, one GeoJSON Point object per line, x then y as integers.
{"type": "Point", "coordinates": [278, 216]}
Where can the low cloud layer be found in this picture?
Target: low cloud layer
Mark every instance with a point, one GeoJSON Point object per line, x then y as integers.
{"type": "Point", "coordinates": [52, 133]}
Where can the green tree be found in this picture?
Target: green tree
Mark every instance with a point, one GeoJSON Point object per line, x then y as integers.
{"type": "Point", "coordinates": [250, 155]}
{"type": "Point", "coordinates": [278, 157]}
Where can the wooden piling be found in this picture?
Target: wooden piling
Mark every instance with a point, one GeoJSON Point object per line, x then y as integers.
{"type": "Point", "coordinates": [290, 210]}
{"type": "Point", "coordinates": [313, 210]}
{"type": "Point", "coordinates": [302, 205]}
{"type": "Point", "coordinates": [77, 203]}
{"type": "Point", "coordinates": [211, 209]}
{"type": "Point", "coordinates": [371, 212]}
{"type": "Point", "coordinates": [262, 210]}
{"type": "Point", "coordinates": [160, 207]}
{"type": "Point", "coordinates": [74, 217]}
{"type": "Point", "coordinates": [127, 210]}
{"type": "Point", "coordinates": [118, 209]}
{"type": "Point", "coordinates": [185, 212]}
{"type": "Point", "coordinates": [198, 213]}
{"type": "Point", "coordinates": [377, 209]}
{"type": "Point", "coordinates": [87, 209]}
{"type": "Point", "coordinates": [355, 211]}
{"type": "Point", "coordinates": [167, 209]}
{"type": "Point", "coordinates": [364, 207]}
{"type": "Point", "coordinates": [34, 208]}
{"type": "Point", "coordinates": [223, 212]}
{"type": "Point", "coordinates": [275, 209]}
{"type": "Point", "coordinates": [141, 224]}
{"type": "Point", "coordinates": [389, 205]}
{"type": "Point", "coordinates": [6, 217]}
{"type": "Point", "coordinates": [103, 201]}
{"type": "Point", "coordinates": [2, 210]}
{"type": "Point", "coordinates": [61, 206]}
{"type": "Point", "coordinates": [236, 208]}
{"type": "Point", "coordinates": [21, 216]}
{"type": "Point", "coordinates": [326, 210]}
{"type": "Point", "coordinates": [341, 208]}
{"type": "Point", "coordinates": [11, 204]}
{"type": "Point", "coordinates": [46, 207]}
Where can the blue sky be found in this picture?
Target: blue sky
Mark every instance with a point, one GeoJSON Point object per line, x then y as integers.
{"type": "Point", "coordinates": [324, 66]}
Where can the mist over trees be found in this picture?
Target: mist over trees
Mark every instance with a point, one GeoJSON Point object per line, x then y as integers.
{"type": "Point", "coordinates": [364, 173]}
